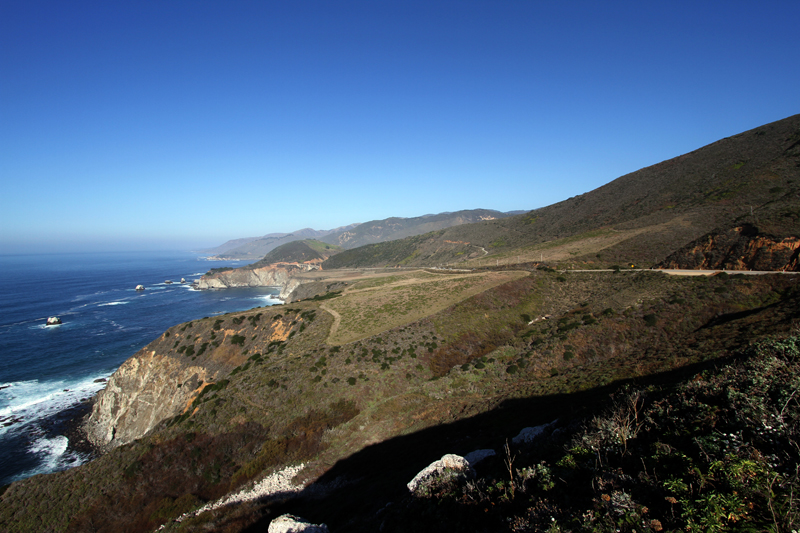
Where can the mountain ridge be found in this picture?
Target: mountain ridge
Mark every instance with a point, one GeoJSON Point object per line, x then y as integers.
{"type": "Point", "coordinates": [750, 177]}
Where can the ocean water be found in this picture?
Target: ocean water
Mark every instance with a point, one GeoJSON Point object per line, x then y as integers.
{"type": "Point", "coordinates": [47, 371]}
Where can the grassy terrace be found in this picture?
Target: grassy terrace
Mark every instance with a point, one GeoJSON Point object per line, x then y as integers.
{"type": "Point", "coordinates": [375, 305]}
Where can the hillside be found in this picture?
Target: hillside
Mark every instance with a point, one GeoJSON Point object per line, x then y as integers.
{"type": "Point", "coordinates": [256, 248]}
{"type": "Point", "coordinates": [355, 235]}
{"type": "Point", "coordinates": [394, 228]}
{"type": "Point", "coordinates": [303, 251]}
{"type": "Point", "coordinates": [398, 355]}
{"type": "Point", "coordinates": [751, 178]}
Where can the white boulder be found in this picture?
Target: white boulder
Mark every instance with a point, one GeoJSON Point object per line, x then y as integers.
{"type": "Point", "coordinates": [527, 435]}
{"type": "Point", "coordinates": [292, 524]}
{"type": "Point", "coordinates": [448, 466]}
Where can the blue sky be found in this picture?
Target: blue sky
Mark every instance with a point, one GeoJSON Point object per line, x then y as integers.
{"type": "Point", "coordinates": [181, 124]}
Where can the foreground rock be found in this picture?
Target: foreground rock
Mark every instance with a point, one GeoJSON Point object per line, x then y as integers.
{"type": "Point", "coordinates": [445, 469]}
{"type": "Point", "coordinates": [293, 524]}
{"type": "Point", "coordinates": [744, 247]}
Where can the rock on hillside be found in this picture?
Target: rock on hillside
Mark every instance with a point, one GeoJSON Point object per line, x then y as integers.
{"type": "Point", "coordinates": [740, 248]}
{"type": "Point", "coordinates": [168, 376]}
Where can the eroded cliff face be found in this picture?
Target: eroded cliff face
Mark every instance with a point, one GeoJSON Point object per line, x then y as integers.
{"type": "Point", "coordinates": [148, 388]}
{"type": "Point", "coordinates": [163, 379]}
{"type": "Point", "coordinates": [277, 275]}
{"type": "Point", "coordinates": [740, 248]}
{"type": "Point", "coordinates": [268, 276]}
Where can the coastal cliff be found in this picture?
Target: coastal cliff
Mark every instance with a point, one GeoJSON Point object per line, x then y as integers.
{"type": "Point", "coordinates": [164, 379]}
{"type": "Point", "coordinates": [276, 275]}
{"type": "Point", "coordinates": [148, 388]}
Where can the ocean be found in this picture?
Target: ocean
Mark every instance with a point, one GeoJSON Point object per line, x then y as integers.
{"type": "Point", "coordinates": [48, 371]}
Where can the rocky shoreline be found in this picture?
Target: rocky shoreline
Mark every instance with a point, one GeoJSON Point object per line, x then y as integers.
{"type": "Point", "coordinates": [75, 433]}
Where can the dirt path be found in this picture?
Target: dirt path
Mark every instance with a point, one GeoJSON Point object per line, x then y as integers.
{"type": "Point", "coordinates": [337, 319]}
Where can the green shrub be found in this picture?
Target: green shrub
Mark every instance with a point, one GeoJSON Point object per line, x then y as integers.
{"type": "Point", "coordinates": [238, 339]}
{"type": "Point", "coordinates": [650, 320]}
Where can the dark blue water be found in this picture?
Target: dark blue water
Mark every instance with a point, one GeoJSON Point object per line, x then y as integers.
{"type": "Point", "coordinates": [47, 370]}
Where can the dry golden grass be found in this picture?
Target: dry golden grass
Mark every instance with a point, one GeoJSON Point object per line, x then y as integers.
{"type": "Point", "coordinates": [585, 244]}
{"type": "Point", "coordinates": [382, 303]}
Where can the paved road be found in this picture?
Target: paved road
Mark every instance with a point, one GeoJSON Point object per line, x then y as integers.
{"type": "Point", "coordinates": [677, 272]}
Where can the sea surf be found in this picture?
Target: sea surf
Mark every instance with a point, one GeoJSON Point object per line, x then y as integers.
{"type": "Point", "coordinates": [48, 372]}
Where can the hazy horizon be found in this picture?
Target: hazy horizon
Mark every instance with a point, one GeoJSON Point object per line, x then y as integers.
{"type": "Point", "coordinates": [183, 125]}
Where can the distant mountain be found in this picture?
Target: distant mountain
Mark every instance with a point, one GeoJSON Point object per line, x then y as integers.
{"type": "Point", "coordinates": [355, 235]}
{"type": "Point", "coordinates": [751, 178]}
{"type": "Point", "coordinates": [236, 243]}
{"type": "Point", "coordinates": [394, 228]}
{"type": "Point", "coordinates": [254, 249]}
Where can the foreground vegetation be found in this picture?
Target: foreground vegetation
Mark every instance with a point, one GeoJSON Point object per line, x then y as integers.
{"type": "Point", "coordinates": [494, 353]}
{"type": "Point", "coordinates": [715, 452]}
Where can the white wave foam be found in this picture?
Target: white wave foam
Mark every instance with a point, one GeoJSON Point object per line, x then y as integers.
{"type": "Point", "coordinates": [50, 450]}
{"type": "Point", "coordinates": [271, 299]}
{"type": "Point", "coordinates": [26, 401]}
{"type": "Point", "coordinates": [52, 455]}
{"type": "Point", "coordinates": [119, 302]}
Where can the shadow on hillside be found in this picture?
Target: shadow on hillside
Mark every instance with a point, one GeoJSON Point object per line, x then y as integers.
{"type": "Point", "coordinates": [378, 474]}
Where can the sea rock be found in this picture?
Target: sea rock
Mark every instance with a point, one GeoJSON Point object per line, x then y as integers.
{"type": "Point", "coordinates": [445, 469]}
{"type": "Point", "coordinates": [140, 287]}
{"type": "Point", "coordinates": [292, 524]}
{"type": "Point", "coordinates": [53, 321]}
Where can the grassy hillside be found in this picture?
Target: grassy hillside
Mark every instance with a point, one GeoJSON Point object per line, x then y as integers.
{"type": "Point", "coordinates": [297, 252]}
{"type": "Point", "coordinates": [394, 228]}
{"type": "Point", "coordinates": [642, 217]}
{"type": "Point", "coordinates": [299, 389]}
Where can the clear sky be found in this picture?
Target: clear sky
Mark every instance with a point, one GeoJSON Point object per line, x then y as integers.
{"type": "Point", "coordinates": [181, 124]}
